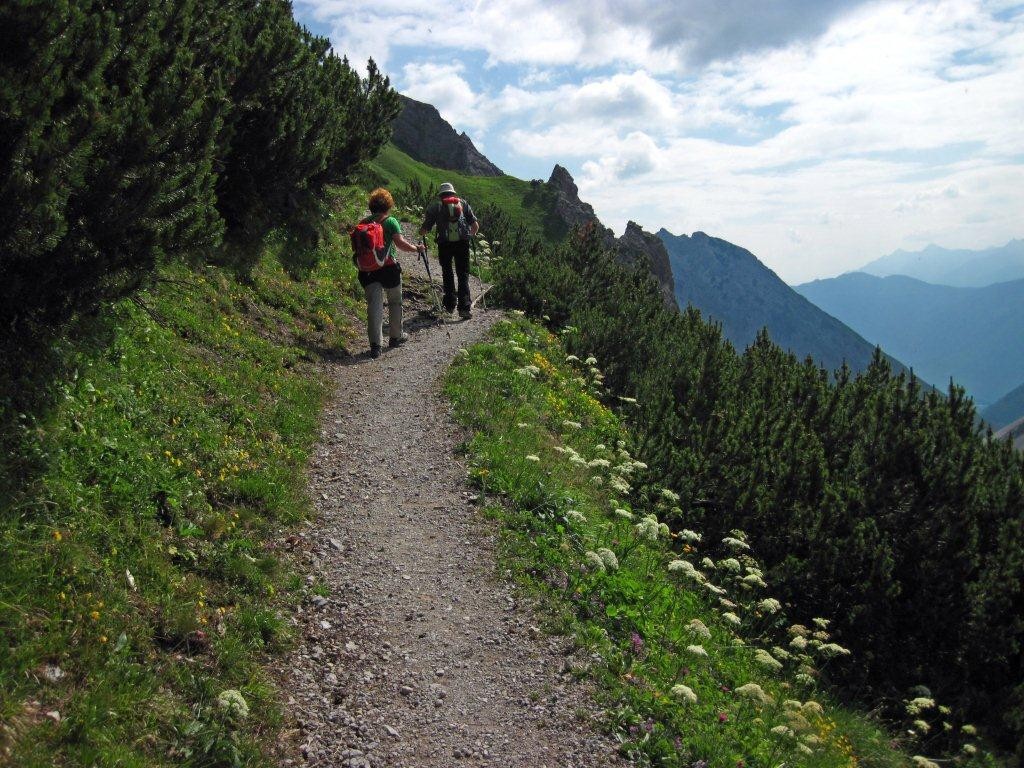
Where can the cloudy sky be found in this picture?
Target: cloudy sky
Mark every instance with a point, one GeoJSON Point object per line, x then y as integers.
{"type": "Point", "coordinates": [819, 134]}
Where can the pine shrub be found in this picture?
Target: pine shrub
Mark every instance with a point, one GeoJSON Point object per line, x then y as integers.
{"type": "Point", "coordinates": [872, 498]}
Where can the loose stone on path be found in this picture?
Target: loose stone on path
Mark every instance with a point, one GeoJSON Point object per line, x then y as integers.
{"type": "Point", "coordinates": [417, 654]}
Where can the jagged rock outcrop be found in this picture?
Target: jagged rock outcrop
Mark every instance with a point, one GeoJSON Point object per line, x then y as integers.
{"type": "Point", "coordinates": [421, 132]}
{"type": "Point", "coordinates": [639, 247]}
{"type": "Point", "coordinates": [568, 206]}
{"type": "Point", "coordinates": [635, 247]}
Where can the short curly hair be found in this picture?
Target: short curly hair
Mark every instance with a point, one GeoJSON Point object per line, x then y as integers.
{"type": "Point", "coordinates": [381, 201]}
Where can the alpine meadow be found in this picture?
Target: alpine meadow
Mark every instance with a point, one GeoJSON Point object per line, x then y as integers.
{"type": "Point", "coordinates": [738, 558]}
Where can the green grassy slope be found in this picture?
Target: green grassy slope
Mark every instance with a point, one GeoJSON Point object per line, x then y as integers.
{"type": "Point", "coordinates": [520, 200]}
{"type": "Point", "coordinates": [141, 531]}
{"type": "Point", "coordinates": [693, 658]}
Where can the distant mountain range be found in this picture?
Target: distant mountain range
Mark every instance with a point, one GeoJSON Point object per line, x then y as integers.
{"type": "Point", "coordinates": [731, 286]}
{"type": "Point", "coordinates": [973, 335]}
{"type": "Point", "coordinates": [959, 268]}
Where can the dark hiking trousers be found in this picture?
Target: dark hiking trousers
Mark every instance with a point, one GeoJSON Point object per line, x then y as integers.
{"type": "Point", "coordinates": [457, 251]}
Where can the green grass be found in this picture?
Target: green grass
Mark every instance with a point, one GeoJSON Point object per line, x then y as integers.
{"type": "Point", "coordinates": [520, 200]}
{"type": "Point", "coordinates": [553, 463]}
{"type": "Point", "coordinates": [141, 556]}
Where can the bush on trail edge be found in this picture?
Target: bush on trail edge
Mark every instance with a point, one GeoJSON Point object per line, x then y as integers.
{"type": "Point", "coordinates": [162, 132]}
{"type": "Point", "coordinates": [866, 497]}
{"type": "Point", "coordinates": [697, 664]}
{"type": "Point", "coordinates": [142, 520]}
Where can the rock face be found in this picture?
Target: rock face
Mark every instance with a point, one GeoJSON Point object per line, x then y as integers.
{"type": "Point", "coordinates": [1014, 432]}
{"type": "Point", "coordinates": [639, 247]}
{"type": "Point", "coordinates": [1006, 410]}
{"type": "Point", "coordinates": [421, 132]}
{"type": "Point", "coordinates": [731, 286]}
{"type": "Point", "coordinates": [568, 206]}
{"type": "Point", "coordinates": [634, 248]}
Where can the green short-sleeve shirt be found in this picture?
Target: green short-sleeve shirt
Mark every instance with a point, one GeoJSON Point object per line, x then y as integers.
{"type": "Point", "coordinates": [391, 228]}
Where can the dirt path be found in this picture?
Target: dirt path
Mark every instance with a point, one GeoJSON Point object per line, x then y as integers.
{"type": "Point", "coordinates": [418, 654]}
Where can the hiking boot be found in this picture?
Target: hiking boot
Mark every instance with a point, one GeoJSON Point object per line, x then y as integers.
{"type": "Point", "coordinates": [375, 351]}
{"type": "Point", "coordinates": [465, 314]}
{"type": "Point", "coordinates": [399, 341]}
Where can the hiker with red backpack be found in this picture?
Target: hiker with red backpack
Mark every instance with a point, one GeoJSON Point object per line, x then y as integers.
{"type": "Point", "coordinates": [374, 240]}
{"type": "Point", "coordinates": [455, 224]}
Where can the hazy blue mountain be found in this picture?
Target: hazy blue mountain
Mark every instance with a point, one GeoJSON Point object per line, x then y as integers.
{"type": "Point", "coordinates": [1014, 432]}
{"type": "Point", "coordinates": [728, 284]}
{"type": "Point", "coordinates": [974, 335]}
{"type": "Point", "coordinates": [1005, 410]}
{"type": "Point", "coordinates": [960, 268]}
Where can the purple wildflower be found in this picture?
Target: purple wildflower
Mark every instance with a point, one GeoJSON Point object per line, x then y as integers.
{"type": "Point", "coordinates": [636, 643]}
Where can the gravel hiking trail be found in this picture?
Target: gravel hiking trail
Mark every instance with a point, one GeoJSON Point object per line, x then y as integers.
{"type": "Point", "coordinates": [418, 653]}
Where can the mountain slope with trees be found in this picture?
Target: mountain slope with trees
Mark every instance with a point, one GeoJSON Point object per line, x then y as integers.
{"type": "Point", "coordinates": [1006, 409]}
{"type": "Point", "coordinates": [729, 285]}
{"type": "Point", "coordinates": [168, 275]}
{"type": "Point", "coordinates": [188, 130]}
{"type": "Point", "coordinates": [870, 499]}
{"type": "Point", "coordinates": [972, 335]}
{"type": "Point", "coordinates": [146, 475]}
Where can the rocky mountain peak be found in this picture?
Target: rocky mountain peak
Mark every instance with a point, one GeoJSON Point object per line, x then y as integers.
{"type": "Point", "coordinates": [421, 132]}
{"type": "Point", "coordinates": [639, 247]}
{"type": "Point", "coordinates": [563, 182]}
{"type": "Point", "coordinates": [568, 206]}
{"type": "Point", "coordinates": [634, 248]}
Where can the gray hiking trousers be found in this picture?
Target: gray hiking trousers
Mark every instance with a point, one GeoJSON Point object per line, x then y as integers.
{"type": "Point", "coordinates": [375, 312]}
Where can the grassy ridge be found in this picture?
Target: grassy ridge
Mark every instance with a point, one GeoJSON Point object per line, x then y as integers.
{"type": "Point", "coordinates": [520, 200]}
{"type": "Point", "coordinates": [140, 578]}
{"type": "Point", "coordinates": [694, 657]}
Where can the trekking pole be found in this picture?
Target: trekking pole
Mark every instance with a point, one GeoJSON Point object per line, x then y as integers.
{"type": "Point", "coordinates": [433, 290]}
{"type": "Point", "coordinates": [479, 272]}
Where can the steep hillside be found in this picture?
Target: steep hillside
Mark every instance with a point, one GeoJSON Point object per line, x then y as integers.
{"type": "Point", "coordinates": [869, 499]}
{"type": "Point", "coordinates": [549, 210]}
{"type": "Point", "coordinates": [532, 205]}
{"type": "Point", "coordinates": [972, 335]}
{"type": "Point", "coordinates": [420, 131]}
{"type": "Point", "coordinates": [731, 286]}
{"type": "Point", "coordinates": [1006, 409]}
{"type": "Point", "coordinates": [961, 268]}
{"type": "Point", "coordinates": [1014, 432]}
{"type": "Point", "coordinates": [143, 518]}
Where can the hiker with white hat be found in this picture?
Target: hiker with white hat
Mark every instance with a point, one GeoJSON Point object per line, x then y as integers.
{"type": "Point", "coordinates": [455, 224]}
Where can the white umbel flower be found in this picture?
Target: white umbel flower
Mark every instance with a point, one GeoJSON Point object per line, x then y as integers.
{"type": "Point", "coordinates": [699, 629]}
{"type": "Point", "coordinates": [594, 561]}
{"type": "Point", "coordinates": [611, 562]}
{"type": "Point", "coordinates": [684, 693]}
{"type": "Point", "coordinates": [233, 703]}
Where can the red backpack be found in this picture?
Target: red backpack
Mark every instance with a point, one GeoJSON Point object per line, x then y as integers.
{"type": "Point", "coordinates": [452, 225]}
{"type": "Point", "coordinates": [368, 250]}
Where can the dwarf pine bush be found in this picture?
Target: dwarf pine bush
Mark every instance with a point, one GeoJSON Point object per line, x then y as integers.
{"type": "Point", "coordinates": [141, 132]}
{"type": "Point", "coordinates": [866, 496]}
